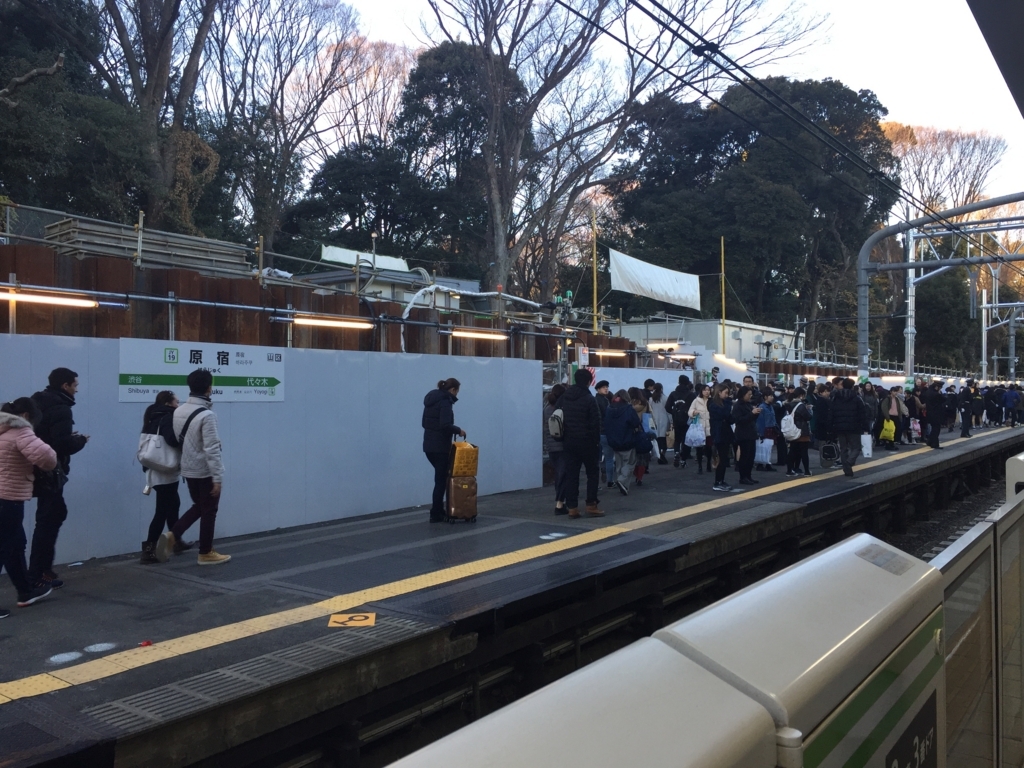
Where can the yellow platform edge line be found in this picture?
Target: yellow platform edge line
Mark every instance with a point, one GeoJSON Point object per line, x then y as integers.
{"type": "Point", "coordinates": [134, 658]}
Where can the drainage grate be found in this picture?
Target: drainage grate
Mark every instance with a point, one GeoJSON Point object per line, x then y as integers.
{"type": "Point", "coordinates": [170, 702]}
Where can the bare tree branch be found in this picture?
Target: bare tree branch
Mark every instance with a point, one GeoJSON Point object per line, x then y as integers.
{"type": "Point", "coordinates": [17, 82]}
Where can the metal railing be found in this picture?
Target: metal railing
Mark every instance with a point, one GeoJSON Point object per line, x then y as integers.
{"type": "Point", "coordinates": [983, 582]}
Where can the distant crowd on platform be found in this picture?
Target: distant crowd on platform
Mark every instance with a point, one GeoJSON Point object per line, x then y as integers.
{"type": "Point", "coordinates": [617, 436]}
{"type": "Point", "coordinates": [38, 439]}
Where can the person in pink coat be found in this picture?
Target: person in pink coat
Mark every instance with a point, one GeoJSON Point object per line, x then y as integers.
{"type": "Point", "coordinates": [20, 452]}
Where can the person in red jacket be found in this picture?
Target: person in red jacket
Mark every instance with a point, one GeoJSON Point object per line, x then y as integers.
{"type": "Point", "coordinates": [20, 451]}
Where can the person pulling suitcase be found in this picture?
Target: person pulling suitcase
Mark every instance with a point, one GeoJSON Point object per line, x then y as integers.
{"type": "Point", "coordinates": [439, 429]}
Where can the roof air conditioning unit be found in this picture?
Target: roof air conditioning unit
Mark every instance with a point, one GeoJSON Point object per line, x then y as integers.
{"type": "Point", "coordinates": [737, 335]}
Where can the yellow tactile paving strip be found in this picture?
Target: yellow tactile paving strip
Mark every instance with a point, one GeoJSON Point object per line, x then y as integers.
{"type": "Point", "coordinates": [133, 658]}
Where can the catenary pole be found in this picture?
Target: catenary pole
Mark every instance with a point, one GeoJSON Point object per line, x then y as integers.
{"type": "Point", "coordinates": [721, 280]}
{"type": "Point", "coordinates": [864, 259]}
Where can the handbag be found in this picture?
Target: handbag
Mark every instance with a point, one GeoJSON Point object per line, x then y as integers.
{"type": "Point", "coordinates": [465, 457]}
{"type": "Point", "coordinates": [154, 453]}
{"type": "Point", "coordinates": [763, 454]}
{"type": "Point", "coordinates": [866, 446]}
{"type": "Point", "coordinates": [888, 432]}
{"type": "Point", "coordinates": [49, 481]}
{"type": "Point", "coordinates": [828, 454]}
{"type": "Point", "coordinates": [695, 434]}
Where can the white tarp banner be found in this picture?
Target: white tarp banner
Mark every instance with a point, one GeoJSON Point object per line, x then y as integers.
{"type": "Point", "coordinates": [643, 279]}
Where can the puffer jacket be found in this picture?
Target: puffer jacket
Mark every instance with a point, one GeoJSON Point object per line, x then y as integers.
{"type": "Point", "coordinates": [20, 450]}
{"type": "Point", "coordinates": [438, 421]}
{"type": "Point", "coordinates": [159, 420]}
{"type": "Point", "coordinates": [56, 428]}
{"type": "Point", "coordinates": [847, 414]}
{"type": "Point", "coordinates": [621, 425]}
{"type": "Point", "coordinates": [581, 420]}
{"type": "Point", "coordinates": [721, 418]}
{"type": "Point", "coordinates": [200, 451]}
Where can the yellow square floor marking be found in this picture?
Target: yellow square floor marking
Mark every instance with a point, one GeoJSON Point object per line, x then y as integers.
{"type": "Point", "coordinates": [123, 661]}
{"type": "Point", "coordinates": [352, 620]}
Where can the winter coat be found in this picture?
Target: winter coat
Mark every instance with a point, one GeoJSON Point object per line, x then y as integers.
{"type": "Point", "coordinates": [201, 450]}
{"type": "Point", "coordinates": [684, 395]}
{"type": "Point", "coordinates": [659, 417]}
{"type": "Point", "coordinates": [621, 425]}
{"type": "Point", "coordinates": [977, 402]}
{"type": "Point", "coordinates": [56, 427]}
{"type": "Point", "coordinates": [745, 419]}
{"type": "Point", "coordinates": [438, 421]}
{"type": "Point", "coordinates": [581, 420]}
{"type": "Point", "coordinates": [721, 418]}
{"type": "Point", "coordinates": [819, 415]}
{"type": "Point", "coordinates": [20, 450]}
{"type": "Point", "coordinates": [602, 406]}
{"type": "Point", "coordinates": [847, 414]}
{"type": "Point", "coordinates": [871, 401]}
{"type": "Point", "coordinates": [885, 406]}
{"type": "Point", "coordinates": [913, 403]}
{"type": "Point", "coordinates": [550, 444]}
{"type": "Point", "coordinates": [935, 406]}
{"type": "Point", "coordinates": [699, 407]}
{"type": "Point", "coordinates": [766, 420]}
{"type": "Point", "coordinates": [159, 420]}
{"type": "Point", "coordinates": [802, 419]}
{"type": "Point", "coordinates": [1011, 398]}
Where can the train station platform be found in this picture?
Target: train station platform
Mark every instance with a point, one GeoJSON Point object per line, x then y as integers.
{"type": "Point", "coordinates": [176, 665]}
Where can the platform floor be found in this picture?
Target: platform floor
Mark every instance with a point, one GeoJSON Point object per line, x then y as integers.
{"type": "Point", "coordinates": [124, 648]}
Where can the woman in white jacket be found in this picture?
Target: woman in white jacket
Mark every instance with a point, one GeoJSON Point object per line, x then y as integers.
{"type": "Point", "coordinates": [699, 408]}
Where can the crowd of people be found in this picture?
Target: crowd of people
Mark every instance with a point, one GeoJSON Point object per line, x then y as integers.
{"type": "Point", "coordinates": [38, 439]}
{"type": "Point", "coordinates": [616, 436]}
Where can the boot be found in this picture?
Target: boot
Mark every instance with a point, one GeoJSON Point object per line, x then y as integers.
{"type": "Point", "coordinates": [574, 513]}
{"type": "Point", "coordinates": [180, 545]}
{"type": "Point", "coordinates": [148, 558]}
{"type": "Point", "coordinates": [593, 511]}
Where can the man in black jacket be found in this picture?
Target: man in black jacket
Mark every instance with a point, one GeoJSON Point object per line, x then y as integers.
{"type": "Point", "coordinates": [848, 419]}
{"type": "Point", "coordinates": [581, 441]}
{"type": "Point", "coordinates": [56, 429]}
{"type": "Point", "coordinates": [604, 398]}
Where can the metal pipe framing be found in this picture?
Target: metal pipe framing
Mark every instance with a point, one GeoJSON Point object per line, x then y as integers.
{"type": "Point", "coordinates": [966, 262]}
{"type": "Point", "coordinates": [864, 264]}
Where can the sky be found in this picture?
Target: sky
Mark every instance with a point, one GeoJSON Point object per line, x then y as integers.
{"type": "Point", "coordinates": [926, 61]}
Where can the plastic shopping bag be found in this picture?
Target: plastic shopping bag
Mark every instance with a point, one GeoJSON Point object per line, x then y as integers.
{"type": "Point", "coordinates": [763, 454]}
{"type": "Point", "coordinates": [866, 446]}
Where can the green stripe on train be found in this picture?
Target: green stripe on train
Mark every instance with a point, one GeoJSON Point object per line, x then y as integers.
{"type": "Point", "coordinates": [852, 713]}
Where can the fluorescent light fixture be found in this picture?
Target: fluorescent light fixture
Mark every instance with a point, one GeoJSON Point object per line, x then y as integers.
{"type": "Point", "coordinates": [495, 336]}
{"type": "Point", "coordinates": [683, 357]}
{"type": "Point", "coordinates": [662, 345]}
{"type": "Point", "coordinates": [608, 352]}
{"type": "Point", "coordinates": [60, 301]}
{"type": "Point", "coordinates": [895, 379]}
{"type": "Point", "coordinates": [356, 325]}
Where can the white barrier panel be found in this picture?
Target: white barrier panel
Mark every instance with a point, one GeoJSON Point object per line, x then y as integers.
{"type": "Point", "coordinates": [844, 647]}
{"type": "Point", "coordinates": [1014, 476]}
{"type": "Point", "coordinates": [645, 705]}
{"type": "Point", "coordinates": [345, 441]}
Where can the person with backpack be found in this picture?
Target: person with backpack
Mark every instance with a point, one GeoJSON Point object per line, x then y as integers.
{"type": "Point", "coordinates": [1011, 399]}
{"type": "Point", "coordinates": [796, 426]}
{"type": "Point", "coordinates": [159, 420]}
{"type": "Point", "coordinates": [20, 451]}
{"type": "Point", "coordinates": [581, 442]}
{"type": "Point", "coordinates": [202, 468]}
{"type": "Point", "coordinates": [553, 447]}
{"type": "Point", "coordinates": [699, 412]}
{"type": "Point", "coordinates": [622, 425]}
